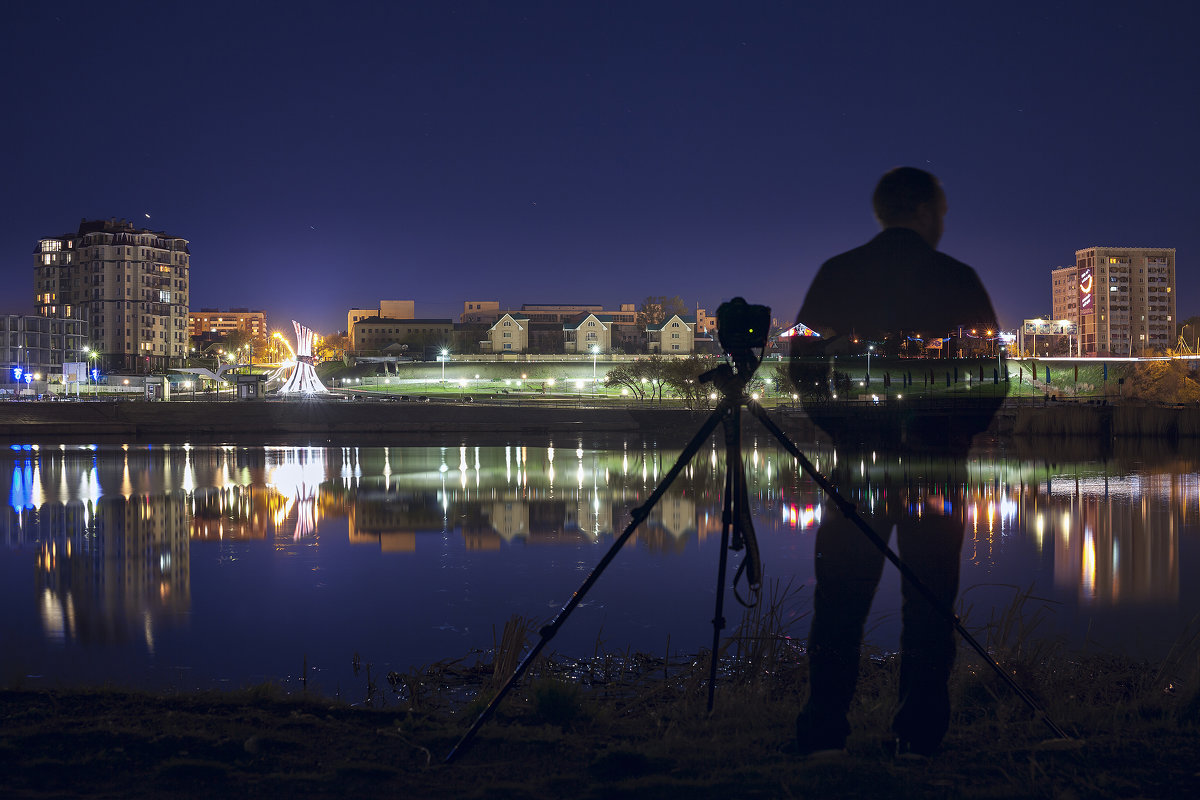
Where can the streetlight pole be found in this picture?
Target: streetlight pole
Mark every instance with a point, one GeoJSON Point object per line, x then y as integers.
{"type": "Point", "coordinates": [870, 347]}
{"type": "Point", "coordinates": [445, 353]}
{"type": "Point", "coordinates": [595, 352]}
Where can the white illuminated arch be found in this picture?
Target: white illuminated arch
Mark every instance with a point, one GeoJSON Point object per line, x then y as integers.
{"type": "Point", "coordinates": [303, 379]}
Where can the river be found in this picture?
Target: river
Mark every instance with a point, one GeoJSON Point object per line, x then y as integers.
{"type": "Point", "coordinates": [182, 566]}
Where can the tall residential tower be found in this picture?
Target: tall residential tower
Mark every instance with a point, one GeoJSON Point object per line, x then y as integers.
{"type": "Point", "coordinates": [1121, 299]}
{"type": "Point", "coordinates": [131, 285]}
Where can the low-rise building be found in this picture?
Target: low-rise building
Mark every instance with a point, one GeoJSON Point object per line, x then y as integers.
{"type": "Point", "coordinates": [480, 312]}
{"type": "Point", "coordinates": [380, 333]}
{"type": "Point", "coordinates": [674, 336]}
{"type": "Point", "coordinates": [40, 345]}
{"type": "Point", "coordinates": [510, 334]}
{"type": "Point", "coordinates": [387, 309]}
{"type": "Point", "coordinates": [591, 330]}
{"type": "Point", "coordinates": [215, 323]}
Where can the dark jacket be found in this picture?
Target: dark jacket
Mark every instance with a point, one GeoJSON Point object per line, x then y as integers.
{"type": "Point", "coordinates": [893, 293]}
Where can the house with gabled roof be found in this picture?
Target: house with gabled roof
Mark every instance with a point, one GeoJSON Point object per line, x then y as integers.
{"type": "Point", "coordinates": [590, 330]}
{"type": "Point", "coordinates": [675, 335]}
{"type": "Point", "coordinates": [510, 334]}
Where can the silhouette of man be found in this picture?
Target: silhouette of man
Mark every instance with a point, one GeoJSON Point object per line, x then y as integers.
{"type": "Point", "coordinates": [895, 295]}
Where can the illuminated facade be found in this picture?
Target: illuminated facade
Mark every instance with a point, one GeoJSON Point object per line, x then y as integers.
{"type": "Point", "coordinates": [130, 284]}
{"type": "Point", "coordinates": [391, 309]}
{"type": "Point", "coordinates": [1121, 299]}
{"type": "Point", "coordinates": [381, 333]}
{"type": "Point", "coordinates": [510, 334]}
{"type": "Point", "coordinates": [547, 322]}
{"type": "Point", "coordinates": [480, 312]}
{"type": "Point", "coordinates": [591, 331]}
{"type": "Point", "coordinates": [675, 336]}
{"type": "Point", "coordinates": [212, 321]}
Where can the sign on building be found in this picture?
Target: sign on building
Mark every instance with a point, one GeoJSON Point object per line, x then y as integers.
{"type": "Point", "coordinates": [1087, 298]}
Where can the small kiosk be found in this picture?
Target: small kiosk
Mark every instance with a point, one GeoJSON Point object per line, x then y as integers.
{"type": "Point", "coordinates": [157, 387]}
{"type": "Point", "coordinates": [251, 387]}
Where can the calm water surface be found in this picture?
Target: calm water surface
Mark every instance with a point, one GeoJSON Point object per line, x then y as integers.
{"type": "Point", "coordinates": [198, 566]}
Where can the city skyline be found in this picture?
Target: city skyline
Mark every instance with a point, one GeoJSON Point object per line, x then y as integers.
{"type": "Point", "coordinates": [323, 158]}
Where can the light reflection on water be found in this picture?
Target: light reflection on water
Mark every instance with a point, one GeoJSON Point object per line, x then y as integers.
{"type": "Point", "coordinates": [194, 565]}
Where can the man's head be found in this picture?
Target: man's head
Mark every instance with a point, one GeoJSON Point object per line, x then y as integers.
{"type": "Point", "coordinates": [907, 197]}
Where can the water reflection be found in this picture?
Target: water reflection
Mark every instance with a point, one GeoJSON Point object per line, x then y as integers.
{"type": "Point", "coordinates": [106, 530]}
{"type": "Point", "coordinates": [110, 566]}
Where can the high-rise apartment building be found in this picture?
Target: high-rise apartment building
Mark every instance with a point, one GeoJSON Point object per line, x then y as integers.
{"type": "Point", "coordinates": [1121, 299]}
{"type": "Point", "coordinates": [131, 285]}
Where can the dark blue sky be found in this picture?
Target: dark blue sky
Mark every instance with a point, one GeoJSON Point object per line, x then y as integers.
{"type": "Point", "coordinates": [324, 155]}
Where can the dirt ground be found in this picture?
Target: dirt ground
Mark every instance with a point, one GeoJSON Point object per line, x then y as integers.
{"type": "Point", "coordinates": [258, 743]}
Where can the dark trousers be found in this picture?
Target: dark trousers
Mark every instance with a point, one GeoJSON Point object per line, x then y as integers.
{"type": "Point", "coordinates": [848, 569]}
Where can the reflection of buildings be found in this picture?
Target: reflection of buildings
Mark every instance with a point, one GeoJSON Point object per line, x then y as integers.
{"type": "Point", "coordinates": [129, 572]}
{"type": "Point", "coordinates": [591, 514]}
{"type": "Point", "coordinates": [392, 520]}
{"type": "Point", "coordinates": [1117, 540]}
{"type": "Point", "coordinates": [234, 512]}
{"type": "Point", "coordinates": [670, 521]}
{"type": "Point", "coordinates": [1111, 536]}
{"type": "Point", "coordinates": [509, 518]}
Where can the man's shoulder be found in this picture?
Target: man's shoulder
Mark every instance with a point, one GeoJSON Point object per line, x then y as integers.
{"type": "Point", "coordinates": [889, 245]}
{"type": "Point", "coordinates": [950, 262]}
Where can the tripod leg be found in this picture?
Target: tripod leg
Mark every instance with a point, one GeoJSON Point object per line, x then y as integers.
{"type": "Point", "coordinates": [731, 507]}
{"type": "Point", "coordinates": [639, 515]}
{"type": "Point", "coordinates": [918, 586]}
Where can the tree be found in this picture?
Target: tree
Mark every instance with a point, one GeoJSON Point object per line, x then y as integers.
{"type": "Point", "coordinates": [1163, 382]}
{"type": "Point", "coordinates": [333, 346]}
{"type": "Point", "coordinates": [655, 310]}
{"type": "Point", "coordinates": [644, 378]}
{"type": "Point", "coordinates": [625, 378]}
{"type": "Point", "coordinates": [782, 376]}
{"type": "Point", "coordinates": [682, 376]}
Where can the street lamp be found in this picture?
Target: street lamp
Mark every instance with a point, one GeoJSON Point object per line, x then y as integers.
{"type": "Point", "coordinates": [595, 352]}
{"type": "Point", "coordinates": [445, 353]}
{"type": "Point", "coordinates": [870, 347]}
{"type": "Point", "coordinates": [22, 372]}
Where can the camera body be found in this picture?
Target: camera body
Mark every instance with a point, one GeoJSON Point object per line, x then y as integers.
{"type": "Point", "coordinates": [742, 327]}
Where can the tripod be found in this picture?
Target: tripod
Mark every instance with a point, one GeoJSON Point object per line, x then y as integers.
{"type": "Point", "coordinates": [737, 532]}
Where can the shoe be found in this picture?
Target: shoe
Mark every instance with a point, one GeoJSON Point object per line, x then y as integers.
{"type": "Point", "coordinates": [793, 748]}
{"type": "Point", "coordinates": [813, 740]}
{"type": "Point", "coordinates": [908, 750]}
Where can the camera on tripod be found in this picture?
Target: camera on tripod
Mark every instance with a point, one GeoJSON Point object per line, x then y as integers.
{"type": "Point", "coordinates": [742, 327]}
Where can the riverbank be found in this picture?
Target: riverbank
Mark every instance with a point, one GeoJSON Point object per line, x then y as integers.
{"type": "Point", "coordinates": [329, 417]}
{"type": "Point", "coordinates": [644, 736]}
{"type": "Point", "coordinates": [411, 421]}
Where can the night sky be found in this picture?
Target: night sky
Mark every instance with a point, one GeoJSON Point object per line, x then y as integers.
{"type": "Point", "coordinates": [323, 155]}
